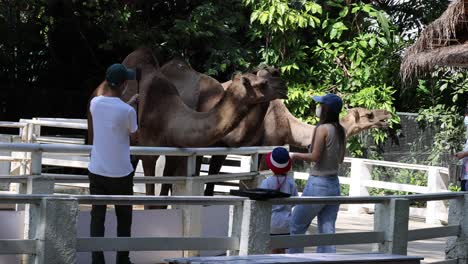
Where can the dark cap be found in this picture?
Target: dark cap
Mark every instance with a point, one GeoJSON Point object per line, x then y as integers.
{"type": "Point", "coordinates": [116, 74]}
{"type": "Point", "coordinates": [333, 101]}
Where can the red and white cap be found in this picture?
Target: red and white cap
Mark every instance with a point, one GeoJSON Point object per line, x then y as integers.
{"type": "Point", "coordinates": [278, 161]}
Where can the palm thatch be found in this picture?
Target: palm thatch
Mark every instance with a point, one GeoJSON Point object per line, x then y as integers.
{"type": "Point", "coordinates": [442, 43]}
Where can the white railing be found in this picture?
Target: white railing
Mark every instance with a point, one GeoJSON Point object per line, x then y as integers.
{"type": "Point", "coordinates": [360, 177]}
{"type": "Point", "coordinates": [248, 232]}
{"type": "Point", "coordinates": [35, 182]}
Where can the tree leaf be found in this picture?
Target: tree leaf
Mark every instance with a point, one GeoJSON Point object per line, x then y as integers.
{"type": "Point", "coordinates": [344, 12]}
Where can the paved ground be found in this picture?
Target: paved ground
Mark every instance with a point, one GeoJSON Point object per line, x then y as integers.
{"type": "Point", "coordinates": [432, 250]}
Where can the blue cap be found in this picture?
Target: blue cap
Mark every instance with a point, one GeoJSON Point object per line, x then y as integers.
{"type": "Point", "coordinates": [333, 101]}
{"type": "Point", "coordinates": [116, 74]}
{"type": "Point", "coordinates": [280, 155]}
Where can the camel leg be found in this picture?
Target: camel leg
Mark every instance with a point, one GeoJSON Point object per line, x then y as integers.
{"type": "Point", "coordinates": [165, 188]}
{"type": "Point", "coordinates": [198, 165]}
{"type": "Point", "coordinates": [262, 163]}
{"type": "Point", "coordinates": [149, 164]}
{"type": "Point", "coordinates": [216, 163]}
{"type": "Point", "coordinates": [134, 160]}
{"type": "Point", "coordinates": [175, 166]}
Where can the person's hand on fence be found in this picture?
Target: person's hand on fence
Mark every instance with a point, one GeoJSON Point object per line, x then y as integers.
{"type": "Point", "coordinates": [461, 154]}
{"type": "Point", "coordinates": [292, 155]}
{"type": "Point", "coordinates": [134, 100]}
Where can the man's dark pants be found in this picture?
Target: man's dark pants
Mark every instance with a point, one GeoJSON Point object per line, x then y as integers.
{"type": "Point", "coordinates": [102, 185]}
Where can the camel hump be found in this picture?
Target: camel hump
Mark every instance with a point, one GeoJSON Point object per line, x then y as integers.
{"type": "Point", "coordinates": [185, 79]}
{"type": "Point", "coordinates": [141, 57]}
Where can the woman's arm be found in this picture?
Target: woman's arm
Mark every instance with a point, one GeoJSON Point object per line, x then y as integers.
{"type": "Point", "coordinates": [317, 146]}
{"type": "Point", "coordinates": [462, 154]}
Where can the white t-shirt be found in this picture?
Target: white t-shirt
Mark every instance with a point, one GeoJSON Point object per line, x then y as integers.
{"type": "Point", "coordinates": [280, 214]}
{"type": "Point", "coordinates": [113, 121]}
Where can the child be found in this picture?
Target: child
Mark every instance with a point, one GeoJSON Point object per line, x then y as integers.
{"type": "Point", "coordinates": [279, 163]}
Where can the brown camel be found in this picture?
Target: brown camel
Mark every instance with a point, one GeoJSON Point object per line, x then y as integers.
{"type": "Point", "coordinates": [280, 127]}
{"type": "Point", "coordinates": [267, 124]}
{"type": "Point", "coordinates": [165, 120]}
{"type": "Point", "coordinates": [198, 89]}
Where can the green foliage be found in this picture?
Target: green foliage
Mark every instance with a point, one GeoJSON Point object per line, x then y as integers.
{"type": "Point", "coordinates": [351, 48]}
{"type": "Point", "coordinates": [442, 103]}
{"type": "Point", "coordinates": [344, 49]}
{"type": "Point", "coordinates": [454, 188]}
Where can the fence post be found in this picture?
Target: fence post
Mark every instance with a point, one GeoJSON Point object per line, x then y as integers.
{"type": "Point", "coordinates": [249, 184]}
{"type": "Point", "coordinates": [255, 230]}
{"type": "Point", "coordinates": [191, 214]}
{"type": "Point", "coordinates": [360, 172]}
{"type": "Point", "coordinates": [235, 224]}
{"type": "Point", "coordinates": [55, 231]}
{"type": "Point", "coordinates": [34, 185]}
{"type": "Point", "coordinates": [392, 218]}
{"type": "Point", "coordinates": [457, 247]}
{"type": "Point", "coordinates": [436, 210]}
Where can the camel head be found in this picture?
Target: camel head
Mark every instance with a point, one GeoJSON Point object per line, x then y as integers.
{"type": "Point", "coordinates": [141, 57]}
{"type": "Point", "coordinates": [273, 78]}
{"type": "Point", "coordinates": [360, 119]}
{"type": "Point", "coordinates": [257, 89]}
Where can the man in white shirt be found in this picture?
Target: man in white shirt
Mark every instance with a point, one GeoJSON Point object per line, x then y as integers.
{"type": "Point", "coordinates": [110, 169]}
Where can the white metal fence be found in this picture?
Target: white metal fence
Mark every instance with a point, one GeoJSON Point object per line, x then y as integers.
{"type": "Point", "coordinates": [48, 216]}
{"type": "Point", "coordinates": [359, 181]}
{"type": "Point", "coordinates": [52, 237]}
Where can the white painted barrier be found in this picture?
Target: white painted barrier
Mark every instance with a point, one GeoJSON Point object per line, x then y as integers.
{"type": "Point", "coordinates": [248, 229]}
{"type": "Point", "coordinates": [359, 180]}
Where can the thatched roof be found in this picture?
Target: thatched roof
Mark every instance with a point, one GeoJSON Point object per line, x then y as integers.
{"type": "Point", "coordinates": [442, 43]}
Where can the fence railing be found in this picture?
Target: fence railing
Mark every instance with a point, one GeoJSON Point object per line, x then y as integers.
{"type": "Point", "coordinates": [35, 182]}
{"type": "Point", "coordinates": [248, 230]}
{"type": "Point", "coordinates": [361, 178]}
{"type": "Point", "coordinates": [359, 181]}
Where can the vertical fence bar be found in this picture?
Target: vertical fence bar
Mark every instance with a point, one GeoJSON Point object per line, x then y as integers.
{"type": "Point", "coordinates": [34, 185]}
{"type": "Point", "coordinates": [56, 231]}
{"type": "Point", "coordinates": [191, 166]}
{"type": "Point", "coordinates": [191, 214]}
{"type": "Point", "coordinates": [436, 210]}
{"type": "Point", "coordinates": [255, 230]}
{"type": "Point", "coordinates": [235, 224]}
{"type": "Point", "coordinates": [457, 247]}
{"type": "Point", "coordinates": [360, 172]}
{"type": "Point", "coordinates": [248, 184]}
{"type": "Point", "coordinates": [392, 218]}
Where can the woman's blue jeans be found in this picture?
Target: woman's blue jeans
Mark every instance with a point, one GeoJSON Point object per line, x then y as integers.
{"type": "Point", "coordinates": [303, 215]}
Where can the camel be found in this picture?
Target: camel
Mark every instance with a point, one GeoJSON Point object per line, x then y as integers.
{"type": "Point", "coordinates": [267, 124]}
{"type": "Point", "coordinates": [280, 127]}
{"type": "Point", "coordinates": [194, 89]}
{"type": "Point", "coordinates": [165, 120]}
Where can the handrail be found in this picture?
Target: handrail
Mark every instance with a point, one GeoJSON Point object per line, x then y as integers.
{"type": "Point", "coordinates": [393, 164]}
{"type": "Point", "coordinates": [72, 125]}
{"type": "Point", "coordinates": [367, 199]}
{"type": "Point", "coordinates": [60, 178]}
{"type": "Point", "coordinates": [86, 149]}
{"type": "Point", "coordinates": [124, 199]}
{"type": "Point", "coordinates": [12, 124]}
{"type": "Point", "coordinates": [202, 200]}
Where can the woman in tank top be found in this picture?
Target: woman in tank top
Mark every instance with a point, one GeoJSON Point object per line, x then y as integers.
{"type": "Point", "coordinates": [326, 154]}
